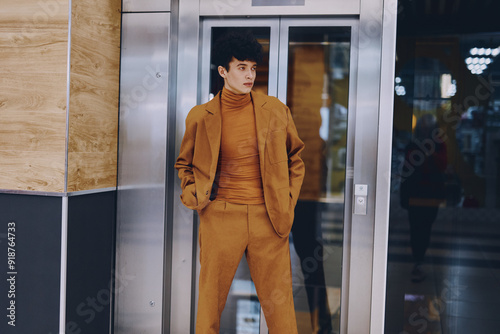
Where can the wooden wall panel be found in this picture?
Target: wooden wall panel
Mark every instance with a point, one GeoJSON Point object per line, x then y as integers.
{"type": "Point", "coordinates": [36, 92]}
{"type": "Point", "coordinates": [32, 170]}
{"type": "Point", "coordinates": [44, 51]}
{"type": "Point", "coordinates": [92, 170]}
{"type": "Point", "coordinates": [33, 132]}
{"type": "Point", "coordinates": [34, 15]}
{"type": "Point", "coordinates": [33, 75]}
{"type": "Point", "coordinates": [94, 89]}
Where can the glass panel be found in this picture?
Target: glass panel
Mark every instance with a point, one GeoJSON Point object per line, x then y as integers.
{"type": "Point", "coordinates": [444, 240]}
{"type": "Point", "coordinates": [242, 312]}
{"type": "Point", "coordinates": [317, 94]}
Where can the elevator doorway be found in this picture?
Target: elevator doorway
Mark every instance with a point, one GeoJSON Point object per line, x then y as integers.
{"type": "Point", "coordinates": [333, 64]}
{"type": "Point", "coordinates": [310, 65]}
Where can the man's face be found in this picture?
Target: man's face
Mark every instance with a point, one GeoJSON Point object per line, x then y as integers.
{"type": "Point", "coordinates": [240, 77]}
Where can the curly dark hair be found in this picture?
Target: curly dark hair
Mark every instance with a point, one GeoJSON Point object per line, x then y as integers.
{"type": "Point", "coordinates": [242, 46]}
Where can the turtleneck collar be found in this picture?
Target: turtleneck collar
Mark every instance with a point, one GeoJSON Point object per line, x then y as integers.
{"type": "Point", "coordinates": [231, 100]}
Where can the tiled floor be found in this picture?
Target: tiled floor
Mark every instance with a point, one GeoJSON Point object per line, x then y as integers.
{"type": "Point", "coordinates": [461, 293]}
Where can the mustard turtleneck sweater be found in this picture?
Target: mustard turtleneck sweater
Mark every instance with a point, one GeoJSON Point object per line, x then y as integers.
{"type": "Point", "coordinates": [239, 178]}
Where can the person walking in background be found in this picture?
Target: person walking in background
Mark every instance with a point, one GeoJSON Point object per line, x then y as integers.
{"type": "Point", "coordinates": [423, 188]}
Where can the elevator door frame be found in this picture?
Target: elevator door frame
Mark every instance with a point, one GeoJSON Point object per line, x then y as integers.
{"type": "Point", "coordinates": [278, 64]}
{"type": "Point", "coordinates": [377, 39]}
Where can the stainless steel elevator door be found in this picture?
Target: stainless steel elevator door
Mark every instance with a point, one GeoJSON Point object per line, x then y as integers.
{"type": "Point", "coordinates": [308, 64]}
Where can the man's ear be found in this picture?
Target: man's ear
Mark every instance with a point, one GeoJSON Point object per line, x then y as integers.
{"type": "Point", "coordinates": [222, 71]}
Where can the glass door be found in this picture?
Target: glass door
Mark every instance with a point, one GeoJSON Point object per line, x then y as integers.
{"type": "Point", "coordinates": [315, 70]}
{"type": "Point", "coordinates": [310, 65]}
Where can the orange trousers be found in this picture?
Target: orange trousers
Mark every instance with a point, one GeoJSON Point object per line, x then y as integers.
{"type": "Point", "coordinates": [226, 232]}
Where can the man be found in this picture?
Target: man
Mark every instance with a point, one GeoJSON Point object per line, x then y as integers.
{"type": "Point", "coordinates": [240, 168]}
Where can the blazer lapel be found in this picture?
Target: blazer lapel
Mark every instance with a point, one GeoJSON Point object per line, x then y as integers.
{"type": "Point", "coordinates": [213, 127]}
{"type": "Point", "coordinates": [262, 117]}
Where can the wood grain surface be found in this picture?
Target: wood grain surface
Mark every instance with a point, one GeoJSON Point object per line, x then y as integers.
{"type": "Point", "coordinates": [34, 115]}
{"type": "Point", "coordinates": [34, 15]}
{"type": "Point", "coordinates": [94, 88]}
{"type": "Point", "coordinates": [38, 92]}
{"type": "Point", "coordinates": [32, 170]}
{"type": "Point", "coordinates": [33, 132]}
{"type": "Point", "coordinates": [33, 81]}
{"type": "Point", "coordinates": [93, 170]}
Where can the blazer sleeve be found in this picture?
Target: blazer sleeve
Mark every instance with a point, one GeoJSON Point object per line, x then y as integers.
{"type": "Point", "coordinates": [296, 167]}
{"type": "Point", "coordinates": [184, 165]}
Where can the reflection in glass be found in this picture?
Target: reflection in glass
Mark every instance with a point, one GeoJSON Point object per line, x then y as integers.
{"type": "Point", "coordinates": [317, 94]}
{"type": "Point", "coordinates": [444, 240]}
{"type": "Point", "coordinates": [422, 187]}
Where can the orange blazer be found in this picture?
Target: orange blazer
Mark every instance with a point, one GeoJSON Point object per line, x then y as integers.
{"type": "Point", "coordinates": [282, 169]}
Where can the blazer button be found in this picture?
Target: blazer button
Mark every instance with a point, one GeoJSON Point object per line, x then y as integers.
{"type": "Point", "coordinates": [206, 193]}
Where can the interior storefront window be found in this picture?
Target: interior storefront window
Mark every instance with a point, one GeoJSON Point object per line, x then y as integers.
{"type": "Point", "coordinates": [444, 248]}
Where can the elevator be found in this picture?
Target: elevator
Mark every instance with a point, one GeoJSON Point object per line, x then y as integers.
{"type": "Point", "coordinates": [332, 63]}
